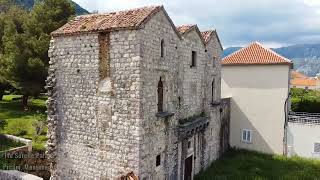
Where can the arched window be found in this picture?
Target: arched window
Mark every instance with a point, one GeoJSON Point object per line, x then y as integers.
{"type": "Point", "coordinates": [162, 48]}
{"type": "Point", "coordinates": [212, 90]}
{"type": "Point", "coordinates": [160, 96]}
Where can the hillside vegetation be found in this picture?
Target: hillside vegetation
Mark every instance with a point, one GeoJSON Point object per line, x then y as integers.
{"type": "Point", "coordinates": [30, 3]}
{"type": "Point", "coordinates": [305, 100]}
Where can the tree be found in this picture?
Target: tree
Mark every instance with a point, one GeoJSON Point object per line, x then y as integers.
{"type": "Point", "coordinates": [25, 44]}
{"type": "Point", "coordinates": [20, 67]}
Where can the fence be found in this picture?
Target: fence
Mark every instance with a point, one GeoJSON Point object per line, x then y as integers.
{"type": "Point", "coordinates": [304, 118]}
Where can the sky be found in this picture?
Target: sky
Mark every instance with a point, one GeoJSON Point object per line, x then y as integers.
{"type": "Point", "coordinates": [275, 23]}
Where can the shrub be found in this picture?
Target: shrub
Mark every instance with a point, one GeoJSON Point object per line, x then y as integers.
{"type": "Point", "coordinates": [17, 128]}
{"type": "Point", "coordinates": [305, 100]}
{"type": "Point", "coordinates": [40, 125]}
{"type": "Point", "coordinates": [3, 123]}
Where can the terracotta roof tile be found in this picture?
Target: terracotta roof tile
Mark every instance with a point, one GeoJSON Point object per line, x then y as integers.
{"type": "Point", "coordinates": [296, 74]}
{"type": "Point", "coordinates": [255, 53]}
{"type": "Point", "coordinates": [129, 19]}
{"type": "Point", "coordinates": [303, 82]}
{"type": "Point", "coordinates": [185, 28]}
{"type": "Point", "coordinates": [207, 35]}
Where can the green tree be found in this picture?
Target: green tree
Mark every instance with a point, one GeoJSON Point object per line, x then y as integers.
{"type": "Point", "coordinates": [25, 43]}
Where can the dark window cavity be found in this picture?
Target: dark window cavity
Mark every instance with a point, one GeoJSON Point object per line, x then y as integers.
{"type": "Point", "coordinates": [189, 144]}
{"type": "Point", "coordinates": [194, 59]}
{"type": "Point", "coordinates": [212, 90]}
{"type": "Point", "coordinates": [158, 160]}
{"type": "Point", "coordinates": [162, 48]}
{"type": "Point", "coordinates": [160, 96]}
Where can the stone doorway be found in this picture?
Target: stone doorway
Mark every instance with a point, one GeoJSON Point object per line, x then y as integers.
{"type": "Point", "coordinates": [188, 168]}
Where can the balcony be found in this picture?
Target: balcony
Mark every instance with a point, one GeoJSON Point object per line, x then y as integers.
{"type": "Point", "coordinates": [193, 125]}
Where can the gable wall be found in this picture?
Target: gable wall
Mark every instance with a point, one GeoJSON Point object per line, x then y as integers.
{"type": "Point", "coordinates": [258, 95]}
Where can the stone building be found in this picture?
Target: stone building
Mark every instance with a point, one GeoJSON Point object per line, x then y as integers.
{"type": "Point", "coordinates": [129, 91]}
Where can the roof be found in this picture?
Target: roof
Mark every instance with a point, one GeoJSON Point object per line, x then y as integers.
{"type": "Point", "coordinates": [129, 19]}
{"type": "Point", "coordinates": [207, 35]}
{"type": "Point", "coordinates": [185, 28]}
{"type": "Point", "coordinates": [122, 20]}
{"type": "Point", "coordinates": [255, 54]}
{"type": "Point", "coordinates": [303, 82]}
{"type": "Point", "coordinates": [296, 74]}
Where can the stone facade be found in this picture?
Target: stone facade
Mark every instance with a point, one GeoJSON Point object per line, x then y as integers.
{"type": "Point", "coordinates": [104, 119]}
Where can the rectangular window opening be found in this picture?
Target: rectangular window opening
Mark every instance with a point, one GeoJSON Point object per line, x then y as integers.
{"type": "Point", "coordinates": [158, 160]}
{"type": "Point", "coordinates": [194, 59]}
{"type": "Point", "coordinates": [189, 144]}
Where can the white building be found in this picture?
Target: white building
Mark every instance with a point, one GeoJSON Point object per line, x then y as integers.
{"type": "Point", "coordinates": [257, 79]}
{"type": "Point", "coordinates": [304, 134]}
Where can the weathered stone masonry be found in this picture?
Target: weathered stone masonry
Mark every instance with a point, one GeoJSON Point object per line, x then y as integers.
{"type": "Point", "coordinates": [103, 84]}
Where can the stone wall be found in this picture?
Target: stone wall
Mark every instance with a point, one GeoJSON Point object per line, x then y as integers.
{"type": "Point", "coordinates": [159, 134]}
{"type": "Point", "coordinates": [93, 135]}
{"type": "Point", "coordinates": [187, 93]}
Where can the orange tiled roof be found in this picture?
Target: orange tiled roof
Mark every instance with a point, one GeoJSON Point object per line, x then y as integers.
{"type": "Point", "coordinates": [185, 28]}
{"type": "Point", "coordinates": [296, 74]}
{"type": "Point", "coordinates": [129, 19]}
{"type": "Point", "coordinates": [255, 54]}
{"type": "Point", "coordinates": [303, 82]}
{"type": "Point", "coordinates": [207, 35]}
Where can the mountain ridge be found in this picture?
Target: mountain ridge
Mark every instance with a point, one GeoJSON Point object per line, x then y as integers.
{"type": "Point", "coordinates": [306, 57]}
{"type": "Point", "coordinates": [29, 4]}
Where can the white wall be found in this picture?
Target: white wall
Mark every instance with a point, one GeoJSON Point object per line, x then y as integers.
{"type": "Point", "coordinates": [258, 97]}
{"type": "Point", "coordinates": [301, 139]}
{"type": "Point", "coordinates": [304, 87]}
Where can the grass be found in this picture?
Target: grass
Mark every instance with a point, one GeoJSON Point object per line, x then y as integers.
{"type": "Point", "coordinates": [242, 164]}
{"type": "Point", "coordinates": [12, 112]}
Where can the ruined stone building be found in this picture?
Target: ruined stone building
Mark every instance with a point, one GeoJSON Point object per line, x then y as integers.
{"type": "Point", "coordinates": [129, 91]}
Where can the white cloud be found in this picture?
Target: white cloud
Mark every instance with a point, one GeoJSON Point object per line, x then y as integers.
{"type": "Point", "coordinates": [275, 22]}
{"type": "Point", "coordinates": [313, 3]}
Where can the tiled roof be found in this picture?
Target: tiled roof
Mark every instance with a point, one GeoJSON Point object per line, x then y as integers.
{"type": "Point", "coordinates": [303, 82]}
{"type": "Point", "coordinates": [296, 74]}
{"type": "Point", "coordinates": [129, 19]}
{"type": "Point", "coordinates": [185, 28]}
{"type": "Point", "coordinates": [255, 54]}
{"type": "Point", "coordinates": [207, 35]}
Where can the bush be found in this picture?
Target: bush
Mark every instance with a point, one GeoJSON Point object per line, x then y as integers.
{"type": "Point", "coordinates": [3, 123]}
{"type": "Point", "coordinates": [305, 100]}
{"type": "Point", "coordinates": [17, 128]}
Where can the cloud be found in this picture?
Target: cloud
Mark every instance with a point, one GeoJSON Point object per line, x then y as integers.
{"type": "Point", "coordinates": [239, 22]}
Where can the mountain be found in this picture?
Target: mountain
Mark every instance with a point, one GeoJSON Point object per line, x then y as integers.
{"type": "Point", "coordinates": [306, 57]}
{"type": "Point", "coordinates": [29, 4]}
{"type": "Point", "coordinates": [230, 50]}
